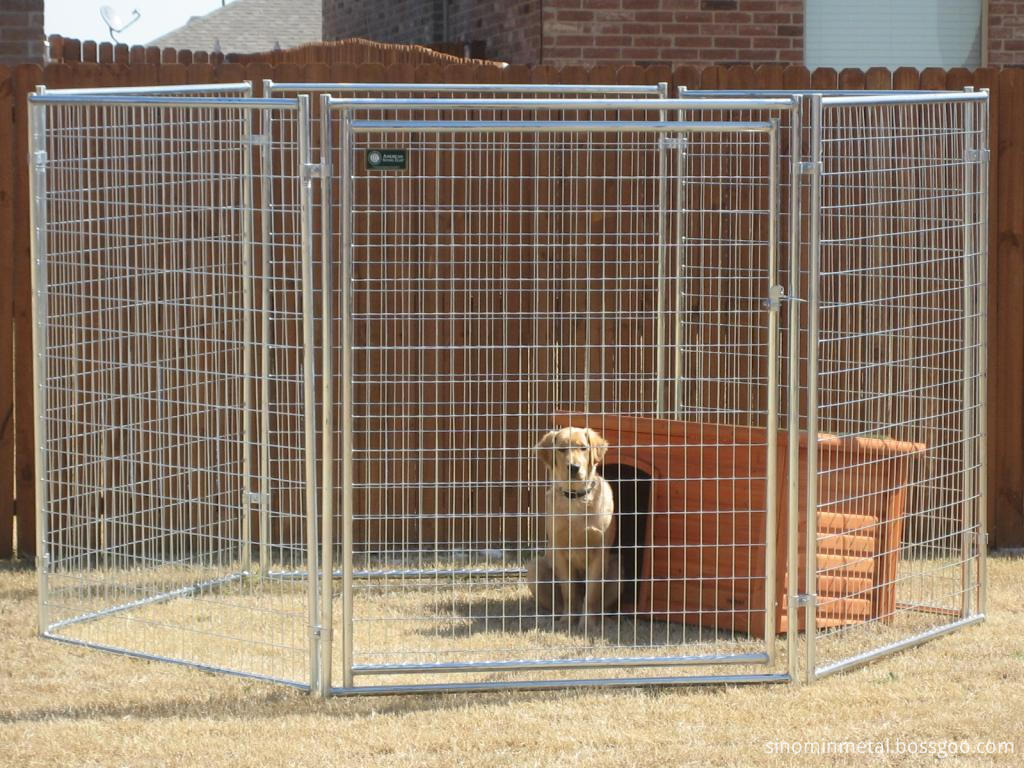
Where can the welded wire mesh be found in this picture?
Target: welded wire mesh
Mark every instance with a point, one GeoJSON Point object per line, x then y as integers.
{"type": "Point", "coordinates": [900, 370]}
{"type": "Point", "coordinates": [510, 281]}
{"type": "Point", "coordinates": [161, 271]}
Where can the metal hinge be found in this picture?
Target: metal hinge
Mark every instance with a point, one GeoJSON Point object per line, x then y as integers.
{"type": "Point", "coordinates": [39, 158]}
{"type": "Point", "coordinates": [976, 156]}
{"type": "Point", "coordinates": [674, 142]}
{"type": "Point", "coordinates": [803, 600]}
{"type": "Point", "coordinates": [255, 497]}
{"type": "Point", "coordinates": [809, 167]}
{"type": "Point", "coordinates": [775, 296]}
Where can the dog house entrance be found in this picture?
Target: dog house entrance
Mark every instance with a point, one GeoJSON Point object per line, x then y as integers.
{"type": "Point", "coordinates": [514, 272]}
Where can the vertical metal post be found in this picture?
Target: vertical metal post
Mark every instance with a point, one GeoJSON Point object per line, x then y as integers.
{"type": "Point", "coordinates": [37, 225]}
{"type": "Point", "coordinates": [983, 358]}
{"type": "Point", "coordinates": [968, 506]}
{"type": "Point", "coordinates": [813, 331]}
{"type": "Point", "coordinates": [661, 350]}
{"type": "Point", "coordinates": [266, 280]}
{"type": "Point", "coordinates": [677, 296]}
{"type": "Point", "coordinates": [309, 396]}
{"type": "Point", "coordinates": [346, 394]}
{"type": "Point", "coordinates": [793, 386]}
{"type": "Point", "coordinates": [772, 425]}
{"type": "Point", "coordinates": [245, 502]}
{"type": "Point", "coordinates": [327, 402]}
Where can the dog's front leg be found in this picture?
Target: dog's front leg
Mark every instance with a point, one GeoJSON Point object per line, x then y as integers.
{"type": "Point", "coordinates": [594, 599]}
{"type": "Point", "coordinates": [563, 575]}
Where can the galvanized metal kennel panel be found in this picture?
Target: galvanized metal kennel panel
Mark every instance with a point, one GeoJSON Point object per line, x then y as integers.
{"type": "Point", "coordinates": [291, 373]}
{"type": "Point", "coordinates": [172, 352]}
{"type": "Point", "coordinates": [517, 274]}
{"type": "Point", "coordinates": [897, 360]}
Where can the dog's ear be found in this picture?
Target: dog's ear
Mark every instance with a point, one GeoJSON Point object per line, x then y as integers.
{"type": "Point", "coordinates": [545, 448]}
{"type": "Point", "coordinates": [598, 447]}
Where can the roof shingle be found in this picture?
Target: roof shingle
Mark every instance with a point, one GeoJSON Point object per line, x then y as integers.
{"type": "Point", "coordinates": [249, 26]}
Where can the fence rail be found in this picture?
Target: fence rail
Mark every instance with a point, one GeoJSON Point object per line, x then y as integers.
{"type": "Point", "coordinates": [106, 65]}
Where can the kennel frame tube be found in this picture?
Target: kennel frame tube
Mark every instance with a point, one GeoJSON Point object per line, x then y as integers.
{"type": "Point", "coordinates": [659, 89]}
{"type": "Point", "coordinates": [327, 418]}
{"type": "Point", "coordinates": [983, 235]}
{"type": "Point", "coordinates": [244, 87]}
{"type": "Point", "coordinates": [968, 536]}
{"type": "Point", "coordinates": [809, 597]}
{"type": "Point", "coordinates": [248, 353]}
{"type": "Point", "coordinates": [773, 304]}
{"type": "Point", "coordinates": [266, 225]}
{"type": "Point", "coordinates": [793, 386]}
{"type": "Point", "coordinates": [555, 685]}
{"type": "Point", "coordinates": [309, 395]}
{"type": "Point", "coordinates": [37, 225]}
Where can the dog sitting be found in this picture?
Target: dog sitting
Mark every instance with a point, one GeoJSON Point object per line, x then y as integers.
{"type": "Point", "coordinates": [578, 571]}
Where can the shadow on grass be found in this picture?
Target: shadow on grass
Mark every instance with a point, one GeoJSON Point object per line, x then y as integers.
{"type": "Point", "coordinates": [466, 617]}
{"type": "Point", "coordinates": [253, 700]}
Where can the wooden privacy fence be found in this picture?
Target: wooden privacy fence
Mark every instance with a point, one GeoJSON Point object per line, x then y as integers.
{"type": "Point", "coordinates": [352, 51]}
{"type": "Point", "coordinates": [119, 66]}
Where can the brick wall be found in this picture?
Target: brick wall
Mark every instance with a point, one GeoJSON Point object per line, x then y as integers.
{"type": "Point", "coordinates": [1005, 32]}
{"type": "Point", "coordinates": [510, 28]}
{"type": "Point", "coordinates": [386, 21]}
{"type": "Point", "coordinates": [21, 31]}
{"type": "Point", "coordinates": [677, 31]}
{"type": "Point", "coordinates": [589, 32]}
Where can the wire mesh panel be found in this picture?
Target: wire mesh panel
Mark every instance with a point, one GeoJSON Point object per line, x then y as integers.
{"type": "Point", "coordinates": [161, 268]}
{"type": "Point", "coordinates": [509, 278]}
{"type": "Point", "coordinates": [898, 370]}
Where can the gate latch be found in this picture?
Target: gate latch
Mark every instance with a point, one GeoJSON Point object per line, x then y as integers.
{"type": "Point", "coordinates": [775, 296]}
{"type": "Point", "coordinates": [673, 142]}
{"type": "Point", "coordinates": [803, 600]}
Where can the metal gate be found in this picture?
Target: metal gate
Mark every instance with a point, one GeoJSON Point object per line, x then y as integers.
{"type": "Point", "coordinates": [506, 274]}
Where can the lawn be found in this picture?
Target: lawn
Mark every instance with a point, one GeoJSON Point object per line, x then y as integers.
{"type": "Point", "coordinates": [69, 706]}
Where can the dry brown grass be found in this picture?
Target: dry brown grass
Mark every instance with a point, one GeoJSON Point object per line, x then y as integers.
{"type": "Point", "coordinates": [62, 705]}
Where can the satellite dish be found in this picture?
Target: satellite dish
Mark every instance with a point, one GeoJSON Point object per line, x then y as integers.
{"type": "Point", "coordinates": [114, 21]}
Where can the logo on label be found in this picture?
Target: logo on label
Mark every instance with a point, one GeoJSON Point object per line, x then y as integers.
{"type": "Point", "coordinates": [386, 159]}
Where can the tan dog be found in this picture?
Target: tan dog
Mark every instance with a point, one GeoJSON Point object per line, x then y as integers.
{"type": "Point", "coordinates": [578, 570]}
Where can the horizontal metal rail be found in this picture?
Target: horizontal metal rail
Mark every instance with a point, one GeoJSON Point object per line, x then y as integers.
{"type": "Point", "coordinates": [242, 87]}
{"type": "Point", "coordinates": [180, 662]}
{"type": "Point", "coordinates": [130, 99]}
{"type": "Point", "coordinates": [700, 93]}
{"type": "Point", "coordinates": [555, 126]}
{"type": "Point", "coordinates": [561, 664]}
{"type": "Point", "coordinates": [163, 597]}
{"type": "Point", "coordinates": [931, 97]}
{"type": "Point", "coordinates": [554, 685]}
{"type": "Point", "coordinates": [269, 86]}
{"type": "Point", "coordinates": [570, 104]}
{"type": "Point", "coordinates": [885, 650]}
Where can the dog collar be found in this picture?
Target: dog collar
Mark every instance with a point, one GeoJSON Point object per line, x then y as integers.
{"type": "Point", "coordinates": [579, 494]}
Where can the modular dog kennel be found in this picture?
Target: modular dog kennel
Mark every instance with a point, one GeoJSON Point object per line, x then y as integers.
{"type": "Point", "coordinates": [293, 356]}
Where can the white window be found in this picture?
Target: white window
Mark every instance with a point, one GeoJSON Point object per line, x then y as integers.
{"type": "Point", "coordinates": [892, 33]}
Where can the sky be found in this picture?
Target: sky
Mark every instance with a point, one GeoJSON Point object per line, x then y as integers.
{"type": "Point", "coordinates": [81, 18]}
